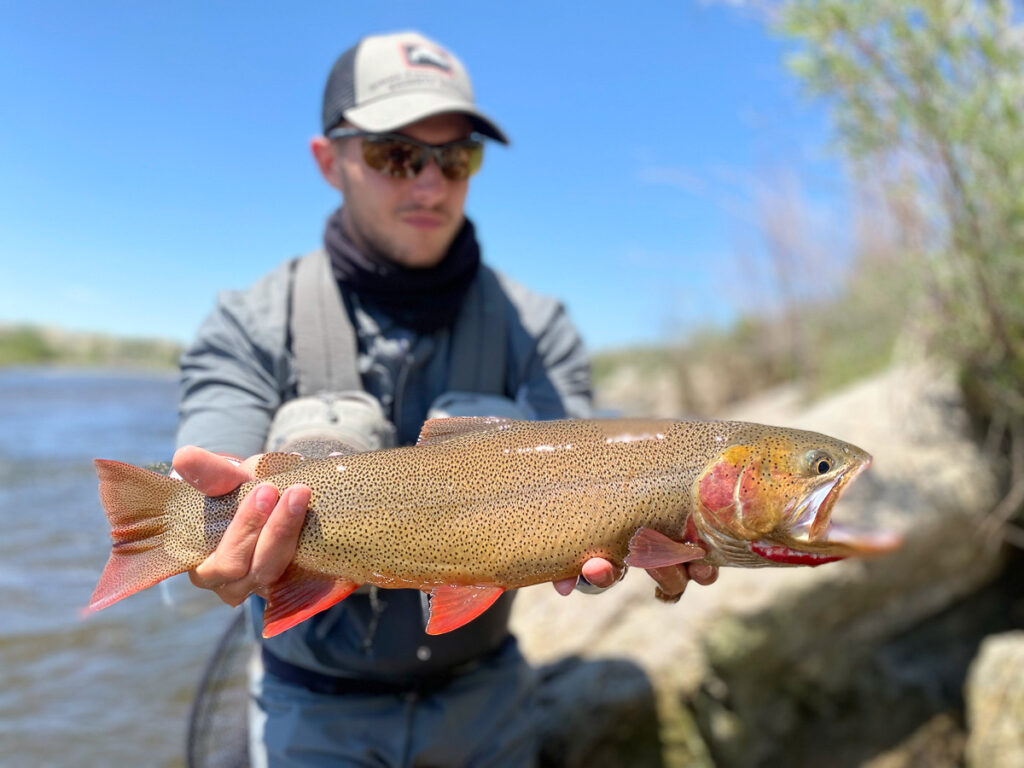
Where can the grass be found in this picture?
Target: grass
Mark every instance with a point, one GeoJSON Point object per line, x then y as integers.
{"type": "Point", "coordinates": [37, 345]}
{"type": "Point", "coordinates": [822, 345]}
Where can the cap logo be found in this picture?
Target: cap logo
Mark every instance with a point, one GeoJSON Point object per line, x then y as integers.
{"type": "Point", "coordinates": [420, 55]}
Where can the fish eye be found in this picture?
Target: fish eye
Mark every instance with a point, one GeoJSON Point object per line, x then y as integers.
{"type": "Point", "coordinates": [821, 463]}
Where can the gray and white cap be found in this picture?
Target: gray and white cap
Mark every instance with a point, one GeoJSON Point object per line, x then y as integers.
{"type": "Point", "coordinates": [385, 82]}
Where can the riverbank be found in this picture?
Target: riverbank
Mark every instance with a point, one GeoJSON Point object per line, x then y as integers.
{"type": "Point", "coordinates": [873, 663]}
{"type": "Point", "coordinates": [38, 345]}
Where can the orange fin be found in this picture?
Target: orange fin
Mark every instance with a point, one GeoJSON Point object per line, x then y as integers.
{"type": "Point", "coordinates": [436, 431]}
{"type": "Point", "coordinates": [299, 594]}
{"type": "Point", "coordinates": [135, 501]}
{"type": "Point", "coordinates": [650, 549]}
{"type": "Point", "coordinates": [276, 463]}
{"type": "Point", "coordinates": [452, 606]}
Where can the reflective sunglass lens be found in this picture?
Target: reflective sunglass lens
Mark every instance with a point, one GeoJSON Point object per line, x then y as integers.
{"type": "Point", "coordinates": [404, 160]}
{"type": "Point", "coordinates": [460, 161]}
{"type": "Point", "coordinates": [394, 158]}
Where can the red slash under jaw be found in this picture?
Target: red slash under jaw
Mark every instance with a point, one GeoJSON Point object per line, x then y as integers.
{"type": "Point", "coordinates": [778, 553]}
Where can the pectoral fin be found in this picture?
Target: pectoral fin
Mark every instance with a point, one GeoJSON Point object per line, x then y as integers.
{"type": "Point", "coordinates": [453, 606]}
{"type": "Point", "coordinates": [299, 594]}
{"type": "Point", "coordinates": [650, 549]}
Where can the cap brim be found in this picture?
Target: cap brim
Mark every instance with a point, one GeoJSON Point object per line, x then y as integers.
{"type": "Point", "coordinates": [396, 112]}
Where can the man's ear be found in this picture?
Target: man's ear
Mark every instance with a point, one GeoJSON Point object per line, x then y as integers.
{"type": "Point", "coordinates": [328, 160]}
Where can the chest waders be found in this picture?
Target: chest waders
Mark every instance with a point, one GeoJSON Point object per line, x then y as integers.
{"type": "Point", "coordinates": [323, 340]}
{"type": "Point", "coordinates": [326, 355]}
{"type": "Point", "coordinates": [325, 350]}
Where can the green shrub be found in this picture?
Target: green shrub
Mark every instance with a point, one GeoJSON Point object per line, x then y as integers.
{"type": "Point", "coordinates": [928, 100]}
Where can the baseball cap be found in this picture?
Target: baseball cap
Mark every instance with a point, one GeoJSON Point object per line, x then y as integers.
{"type": "Point", "coordinates": [385, 82]}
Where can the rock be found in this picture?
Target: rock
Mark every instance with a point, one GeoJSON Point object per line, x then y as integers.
{"type": "Point", "coordinates": [995, 703]}
{"type": "Point", "coordinates": [623, 730]}
{"type": "Point", "coordinates": [939, 742]}
{"type": "Point", "coordinates": [755, 657]}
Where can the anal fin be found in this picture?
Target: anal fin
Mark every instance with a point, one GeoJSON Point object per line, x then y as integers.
{"type": "Point", "coordinates": [651, 549]}
{"type": "Point", "coordinates": [299, 594]}
{"type": "Point", "coordinates": [451, 606]}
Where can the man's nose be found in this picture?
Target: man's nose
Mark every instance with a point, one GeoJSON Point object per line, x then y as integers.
{"type": "Point", "coordinates": [429, 184]}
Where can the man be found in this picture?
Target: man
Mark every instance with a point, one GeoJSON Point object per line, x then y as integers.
{"type": "Point", "coordinates": [394, 321]}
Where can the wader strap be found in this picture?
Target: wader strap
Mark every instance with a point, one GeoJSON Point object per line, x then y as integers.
{"type": "Point", "coordinates": [479, 342]}
{"type": "Point", "coordinates": [323, 340]}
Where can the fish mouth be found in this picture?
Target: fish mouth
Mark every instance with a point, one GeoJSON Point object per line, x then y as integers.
{"type": "Point", "coordinates": [813, 539]}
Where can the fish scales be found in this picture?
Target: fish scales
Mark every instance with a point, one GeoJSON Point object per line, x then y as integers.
{"type": "Point", "coordinates": [497, 503]}
{"type": "Point", "coordinates": [468, 510]}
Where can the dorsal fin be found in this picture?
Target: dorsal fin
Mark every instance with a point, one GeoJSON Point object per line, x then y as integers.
{"type": "Point", "coordinates": [275, 463]}
{"type": "Point", "coordinates": [436, 431]}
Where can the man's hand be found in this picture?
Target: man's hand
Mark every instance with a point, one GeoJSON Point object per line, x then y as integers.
{"type": "Point", "coordinates": [598, 571]}
{"type": "Point", "coordinates": [672, 579]}
{"type": "Point", "coordinates": [260, 540]}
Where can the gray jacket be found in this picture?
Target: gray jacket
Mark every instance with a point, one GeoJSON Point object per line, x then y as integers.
{"type": "Point", "coordinates": [241, 369]}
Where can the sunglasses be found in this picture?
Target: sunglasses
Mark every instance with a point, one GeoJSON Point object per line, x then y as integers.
{"type": "Point", "coordinates": [403, 158]}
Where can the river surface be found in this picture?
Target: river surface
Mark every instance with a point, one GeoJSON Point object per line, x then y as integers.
{"type": "Point", "coordinates": [113, 688]}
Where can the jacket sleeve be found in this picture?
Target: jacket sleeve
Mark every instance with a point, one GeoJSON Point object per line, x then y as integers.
{"type": "Point", "coordinates": [549, 369]}
{"type": "Point", "coordinates": [236, 373]}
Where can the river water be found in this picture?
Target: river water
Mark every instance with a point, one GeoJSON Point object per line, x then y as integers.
{"type": "Point", "coordinates": [113, 688]}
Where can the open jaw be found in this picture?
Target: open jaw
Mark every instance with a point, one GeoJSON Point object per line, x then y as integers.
{"type": "Point", "coordinates": [813, 539]}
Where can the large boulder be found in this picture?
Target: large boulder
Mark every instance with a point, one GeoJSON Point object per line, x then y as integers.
{"type": "Point", "coordinates": [995, 703]}
{"type": "Point", "coordinates": [773, 666]}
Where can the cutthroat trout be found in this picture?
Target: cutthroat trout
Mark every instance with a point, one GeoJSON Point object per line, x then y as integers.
{"type": "Point", "coordinates": [482, 505]}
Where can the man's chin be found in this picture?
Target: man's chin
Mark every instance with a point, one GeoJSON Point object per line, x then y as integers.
{"type": "Point", "coordinates": [422, 250]}
{"type": "Point", "coordinates": [419, 259]}
{"type": "Point", "coordinates": [411, 247]}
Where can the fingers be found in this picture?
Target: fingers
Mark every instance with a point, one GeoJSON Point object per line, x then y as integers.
{"type": "Point", "coordinates": [257, 545]}
{"type": "Point", "coordinates": [598, 571]}
{"type": "Point", "coordinates": [703, 574]}
{"type": "Point", "coordinates": [230, 562]}
{"type": "Point", "coordinates": [210, 473]}
{"type": "Point", "coordinates": [565, 586]}
{"type": "Point", "coordinates": [276, 545]}
{"type": "Point", "coordinates": [672, 580]}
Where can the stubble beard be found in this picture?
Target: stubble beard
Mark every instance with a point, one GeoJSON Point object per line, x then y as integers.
{"type": "Point", "coordinates": [381, 245]}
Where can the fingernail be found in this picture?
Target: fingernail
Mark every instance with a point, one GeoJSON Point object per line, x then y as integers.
{"type": "Point", "coordinates": [266, 495]}
{"type": "Point", "coordinates": [297, 503]}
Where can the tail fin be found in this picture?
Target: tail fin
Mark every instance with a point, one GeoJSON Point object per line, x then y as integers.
{"type": "Point", "coordinates": [135, 501]}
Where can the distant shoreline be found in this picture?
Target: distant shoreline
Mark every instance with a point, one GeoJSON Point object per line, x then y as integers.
{"type": "Point", "coordinates": [63, 371]}
{"type": "Point", "coordinates": [27, 345]}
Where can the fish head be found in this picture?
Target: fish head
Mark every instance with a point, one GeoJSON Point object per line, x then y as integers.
{"type": "Point", "coordinates": [767, 499]}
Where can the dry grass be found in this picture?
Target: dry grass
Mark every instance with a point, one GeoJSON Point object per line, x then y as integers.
{"type": "Point", "coordinates": [38, 345]}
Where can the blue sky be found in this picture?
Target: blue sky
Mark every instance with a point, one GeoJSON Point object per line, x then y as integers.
{"type": "Point", "coordinates": [153, 154]}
